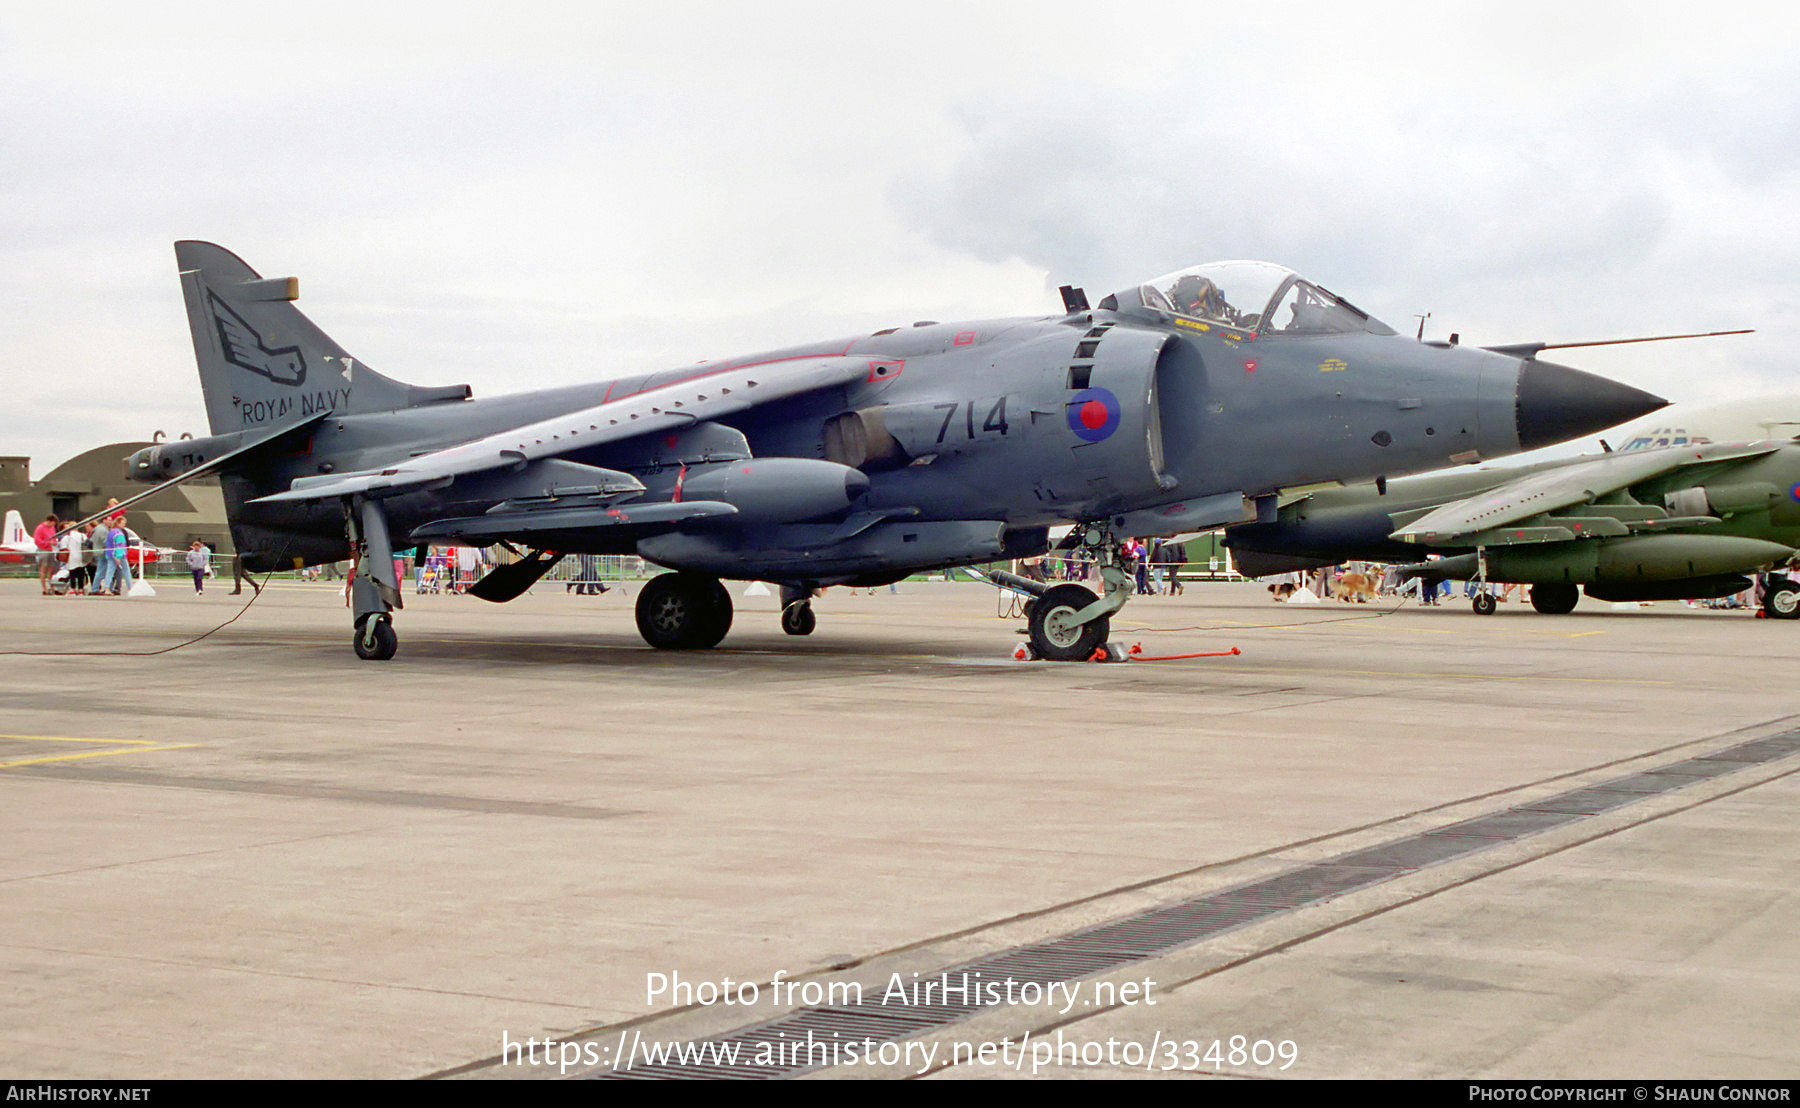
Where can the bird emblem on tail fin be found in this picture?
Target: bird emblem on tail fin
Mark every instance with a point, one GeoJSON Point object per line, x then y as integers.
{"type": "Point", "coordinates": [244, 348]}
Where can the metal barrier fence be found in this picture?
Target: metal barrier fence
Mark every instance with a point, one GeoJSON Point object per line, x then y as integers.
{"type": "Point", "coordinates": [602, 567]}
{"type": "Point", "coordinates": [577, 568]}
{"type": "Point", "coordinates": [1058, 568]}
{"type": "Point", "coordinates": [574, 568]}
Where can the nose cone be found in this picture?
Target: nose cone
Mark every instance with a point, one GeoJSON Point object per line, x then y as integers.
{"type": "Point", "coordinates": [1556, 403]}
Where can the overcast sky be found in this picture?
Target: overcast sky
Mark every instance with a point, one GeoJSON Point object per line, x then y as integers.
{"type": "Point", "coordinates": [529, 194]}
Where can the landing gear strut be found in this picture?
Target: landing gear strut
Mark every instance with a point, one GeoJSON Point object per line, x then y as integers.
{"type": "Point", "coordinates": [376, 591]}
{"type": "Point", "coordinates": [683, 611]}
{"type": "Point", "coordinates": [797, 616]}
{"type": "Point", "coordinates": [1484, 600]}
{"type": "Point", "coordinates": [1067, 622]}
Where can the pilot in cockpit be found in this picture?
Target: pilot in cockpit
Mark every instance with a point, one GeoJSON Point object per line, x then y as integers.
{"type": "Point", "coordinates": [1199, 296]}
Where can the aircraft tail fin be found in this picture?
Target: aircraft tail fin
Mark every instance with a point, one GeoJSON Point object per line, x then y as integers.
{"type": "Point", "coordinates": [262, 362]}
{"type": "Point", "coordinates": [16, 535]}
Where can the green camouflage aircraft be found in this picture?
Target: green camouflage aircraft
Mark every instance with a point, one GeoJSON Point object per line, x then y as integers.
{"type": "Point", "coordinates": [1659, 524]}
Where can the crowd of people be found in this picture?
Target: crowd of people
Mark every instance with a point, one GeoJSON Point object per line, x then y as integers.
{"type": "Point", "coordinates": [1362, 581]}
{"type": "Point", "coordinates": [96, 557]}
{"type": "Point", "coordinates": [1367, 580]}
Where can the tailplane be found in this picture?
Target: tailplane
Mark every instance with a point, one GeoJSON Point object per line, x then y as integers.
{"type": "Point", "coordinates": [263, 363]}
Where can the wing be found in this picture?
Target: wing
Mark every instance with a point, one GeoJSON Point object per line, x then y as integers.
{"type": "Point", "coordinates": [1558, 504]}
{"type": "Point", "coordinates": [707, 395]}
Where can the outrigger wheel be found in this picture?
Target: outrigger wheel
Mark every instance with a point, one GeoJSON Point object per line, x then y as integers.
{"type": "Point", "coordinates": [683, 611]}
{"type": "Point", "coordinates": [1055, 634]}
{"type": "Point", "coordinates": [1485, 604]}
{"type": "Point", "coordinates": [798, 618]}
{"type": "Point", "coordinates": [1782, 601]}
{"type": "Point", "coordinates": [375, 640]}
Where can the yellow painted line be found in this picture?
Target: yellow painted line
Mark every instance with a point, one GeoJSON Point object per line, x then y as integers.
{"type": "Point", "coordinates": [92, 754]}
{"type": "Point", "coordinates": [67, 739]}
{"type": "Point", "coordinates": [119, 746]}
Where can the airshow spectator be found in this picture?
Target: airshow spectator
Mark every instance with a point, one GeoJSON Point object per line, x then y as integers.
{"type": "Point", "coordinates": [104, 571]}
{"type": "Point", "coordinates": [1170, 557]}
{"type": "Point", "coordinates": [118, 542]}
{"type": "Point", "coordinates": [238, 577]}
{"type": "Point", "coordinates": [198, 558]}
{"type": "Point", "coordinates": [75, 543]}
{"type": "Point", "coordinates": [96, 553]}
{"type": "Point", "coordinates": [45, 537]}
{"type": "Point", "coordinates": [1138, 564]}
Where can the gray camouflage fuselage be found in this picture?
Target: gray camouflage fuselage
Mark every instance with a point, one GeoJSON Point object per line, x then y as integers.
{"type": "Point", "coordinates": [933, 445]}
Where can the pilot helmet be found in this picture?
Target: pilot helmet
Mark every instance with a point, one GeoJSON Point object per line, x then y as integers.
{"type": "Point", "coordinates": [1196, 295]}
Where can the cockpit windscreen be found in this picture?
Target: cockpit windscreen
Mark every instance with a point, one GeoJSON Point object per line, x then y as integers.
{"type": "Point", "coordinates": [1255, 296]}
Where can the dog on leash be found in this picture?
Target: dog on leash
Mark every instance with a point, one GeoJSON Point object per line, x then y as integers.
{"type": "Point", "coordinates": [1356, 586]}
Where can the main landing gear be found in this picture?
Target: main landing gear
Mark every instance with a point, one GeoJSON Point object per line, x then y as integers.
{"type": "Point", "coordinates": [691, 611]}
{"type": "Point", "coordinates": [683, 611]}
{"type": "Point", "coordinates": [1554, 598]}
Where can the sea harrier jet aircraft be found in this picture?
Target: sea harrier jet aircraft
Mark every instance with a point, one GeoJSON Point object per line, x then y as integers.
{"type": "Point", "coordinates": [1187, 402]}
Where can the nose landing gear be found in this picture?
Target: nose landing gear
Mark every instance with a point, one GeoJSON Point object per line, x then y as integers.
{"type": "Point", "coordinates": [1054, 622]}
{"type": "Point", "coordinates": [1068, 622]}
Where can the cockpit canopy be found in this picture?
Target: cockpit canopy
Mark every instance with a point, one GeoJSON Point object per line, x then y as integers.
{"type": "Point", "coordinates": [1255, 296]}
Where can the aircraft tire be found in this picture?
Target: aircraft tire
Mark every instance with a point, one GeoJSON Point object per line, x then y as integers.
{"type": "Point", "coordinates": [719, 622]}
{"type": "Point", "coordinates": [799, 619]}
{"type": "Point", "coordinates": [681, 611]}
{"type": "Point", "coordinates": [385, 644]}
{"type": "Point", "coordinates": [1782, 602]}
{"type": "Point", "coordinates": [1485, 604]}
{"type": "Point", "coordinates": [1053, 637]}
{"type": "Point", "coordinates": [1554, 599]}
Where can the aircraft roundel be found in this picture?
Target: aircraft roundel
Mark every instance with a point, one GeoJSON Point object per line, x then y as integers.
{"type": "Point", "coordinates": [1093, 414]}
{"type": "Point", "coordinates": [1795, 492]}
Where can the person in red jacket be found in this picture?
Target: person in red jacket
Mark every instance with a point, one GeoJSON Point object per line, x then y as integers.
{"type": "Point", "coordinates": [45, 537]}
